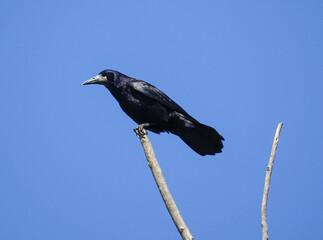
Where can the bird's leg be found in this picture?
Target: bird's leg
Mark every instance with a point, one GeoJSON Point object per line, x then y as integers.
{"type": "Point", "coordinates": [141, 129]}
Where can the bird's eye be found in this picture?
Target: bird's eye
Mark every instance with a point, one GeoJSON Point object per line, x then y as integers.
{"type": "Point", "coordinates": [110, 76]}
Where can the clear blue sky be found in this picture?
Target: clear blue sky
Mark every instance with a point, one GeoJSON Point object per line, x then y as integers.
{"type": "Point", "coordinates": [71, 166]}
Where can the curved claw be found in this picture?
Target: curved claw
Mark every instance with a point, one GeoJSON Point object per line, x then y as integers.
{"type": "Point", "coordinates": [140, 130]}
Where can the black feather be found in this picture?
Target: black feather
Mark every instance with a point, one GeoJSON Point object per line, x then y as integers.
{"type": "Point", "coordinates": [145, 103]}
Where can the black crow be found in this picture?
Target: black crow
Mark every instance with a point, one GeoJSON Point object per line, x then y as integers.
{"type": "Point", "coordinates": [155, 111]}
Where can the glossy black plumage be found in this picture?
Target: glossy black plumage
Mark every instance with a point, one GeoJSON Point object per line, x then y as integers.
{"type": "Point", "coordinates": [145, 103]}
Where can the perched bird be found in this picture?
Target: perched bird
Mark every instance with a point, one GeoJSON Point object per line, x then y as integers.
{"type": "Point", "coordinates": [155, 111]}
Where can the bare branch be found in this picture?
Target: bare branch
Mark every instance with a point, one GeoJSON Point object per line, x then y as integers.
{"type": "Point", "coordinates": [267, 183]}
{"type": "Point", "coordinates": [161, 183]}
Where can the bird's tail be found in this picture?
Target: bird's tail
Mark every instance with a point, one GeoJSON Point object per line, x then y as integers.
{"type": "Point", "coordinates": [203, 139]}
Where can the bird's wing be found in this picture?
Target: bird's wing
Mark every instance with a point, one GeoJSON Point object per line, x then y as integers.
{"type": "Point", "coordinates": [154, 93]}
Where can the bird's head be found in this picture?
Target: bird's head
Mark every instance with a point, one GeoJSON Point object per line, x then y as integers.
{"type": "Point", "coordinates": [103, 78]}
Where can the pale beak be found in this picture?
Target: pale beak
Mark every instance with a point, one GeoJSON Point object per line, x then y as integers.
{"type": "Point", "coordinates": [99, 79]}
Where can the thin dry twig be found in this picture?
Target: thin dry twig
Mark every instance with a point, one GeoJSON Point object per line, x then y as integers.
{"type": "Point", "coordinates": [162, 186]}
{"type": "Point", "coordinates": [267, 183]}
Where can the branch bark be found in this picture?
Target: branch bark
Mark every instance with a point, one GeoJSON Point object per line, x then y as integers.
{"type": "Point", "coordinates": [161, 183]}
{"type": "Point", "coordinates": [267, 183]}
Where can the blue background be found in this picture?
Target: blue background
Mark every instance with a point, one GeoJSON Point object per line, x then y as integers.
{"type": "Point", "coordinates": [71, 166]}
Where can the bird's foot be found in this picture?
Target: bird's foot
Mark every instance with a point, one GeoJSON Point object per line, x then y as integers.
{"type": "Point", "coordinates": [140, 130]}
